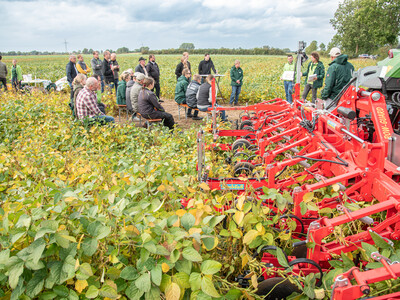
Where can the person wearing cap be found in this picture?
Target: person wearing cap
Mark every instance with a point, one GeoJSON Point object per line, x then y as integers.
{"type": "Point", "coordinates": [141, 67]}
{"type": "Point", "coordinates": [135, 90]}
{"type": "Point", "coordinates": [338, 75]}
{"type": "Point", "coordinates": [315, 69]}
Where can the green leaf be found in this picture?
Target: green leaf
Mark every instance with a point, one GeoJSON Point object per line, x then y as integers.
{"type": "Point", "coordinates": [182, 279]}
{"type": "Point", "coordinates": [303, 208]}
{"type": "Point", "coordinates": [190, 254]}
{"type": "Point", "coordinates": [47, 296]}
{"type": "Point", "coordinates": [133, 292]}
{"type": "Point", "coordinates": [4, 256]}
{"type": "Point", "coordinates": [208, 288]}
{"type": "Point", "coordinates": [281, 258]}
{"type": "Point", "coordinates": [188, 221]}
{"type": "Point", "coordinates": [108, 291]}
{"type": "Point", "coordinates": [61, 290]}
{"type": "Point", "coordinates": [379, 241]}
{"type": "Point", "coordinates": [61, 271]}
{"type": "Point", "coordinates": [156, 275]}
{"type": "Point", "coordinates": [98, 230]}
{"type": "Point", "coordinates": [195, 281]}
{"type": "Point", "coordinates": [92, 292]}
{"type": "Point", "coordinates": [369, 249]}
{"type": "Point", "coordinates": [348, 263]}
{"type": "Point", "coordinates": [150, 246]}
{"type": "Point", "coordinates": [18, 291]}
{"type": "Point", "coordinates": [143, 283]}
{"type": "Point", "coordinates": [154, 294]}
{"type": "Point", "coordinates": [215, 220]}
{"type": "Point", "coordinates": [210, 267]}
{"type": "Point", "coordinates": [89, 246]}
{"type": "Point", "coordinates": [34, 252]}
{"type": "Point", "coordinates": [84, 272]}
{"type": "Point", "coordinates": [15, 268]}
{"type": "Point", "coordinates": [233, 294]}
{"type": "Point", "coordinates": [165, 282]}
{"type": "Point", "coordinates": [35, 285]}
{"type": "Point", "coordinates": [129, 273]}
{"type": "Point", "coordinates": [174, 256]}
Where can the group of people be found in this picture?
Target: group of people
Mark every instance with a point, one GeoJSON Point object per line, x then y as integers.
{"type": "Point", "coordinates": [16, 74]}
{"type": "Point", "coordinates": [337, 76]}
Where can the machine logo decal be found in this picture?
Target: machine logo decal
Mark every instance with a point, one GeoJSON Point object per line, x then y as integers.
{"type": "Point", "coordinates": [232, 186]}
{"type": "Point", "coordinates": [384, 122]}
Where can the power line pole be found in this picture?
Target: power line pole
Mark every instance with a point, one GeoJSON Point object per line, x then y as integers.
{"type": "Point", "coordinates": [65, 42]}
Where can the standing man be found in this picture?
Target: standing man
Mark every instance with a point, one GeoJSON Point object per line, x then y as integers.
{"type": "Point", "coordinates": [16, 75]}
{"type": "Point", "coordinates": [182, 65]}
{"type": "Point", "coordinates": [71, 74]}
{"type": "Point", "coordinates": [96, 67]}
{"type": "Point", "coordinates": [116, 70]}
{"type": "Point", "coordinates": [141, 67]}
{"type": "Point", "coordinates": [154, 72]}
{"type": "Point", "coordinates": [206, 65]}
{"type": "Point", "coordinates": [338, 75]}
{"type": "Point", "coordinates": [107, 69]}
{"type": "Point", "coordinates": [86, 103]}
{"type": "Point", "coordinates": [236, 82]}
{"type": "Point", "coordinates": [81, 66]}
{"type": "Point", "coordinates": [288, 84]}
{"type": "Point", "coordinates": [3, 73]}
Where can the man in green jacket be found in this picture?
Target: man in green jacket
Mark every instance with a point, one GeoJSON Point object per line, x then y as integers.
{"type": "Point", "coordinates": [314, 77]}
{"type": "Point", "coordinates": [180, 92]}
{"type": "Point", "coordinates": [16, 75]}
{"type": "Point", "coordinates": [236, 82]}
{"type": "Point", "coordinates": [338, 75]}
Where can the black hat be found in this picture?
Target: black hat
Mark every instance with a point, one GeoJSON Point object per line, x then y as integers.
{"type": "Point", "coordinates": [141, 58]}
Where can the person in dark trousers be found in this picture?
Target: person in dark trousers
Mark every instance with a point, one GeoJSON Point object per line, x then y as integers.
{"type": "Point", "coordinates": [154, 72]}
{"type": "Point", "coordinates": [115, 70]}
{"type": "Point", "coordinates": [3, 73]}
{"type": "Point", "coordinates": [191, 93]}
{"type": "Point", "coordinates": [96, 64]}
{"type": "Point", "coordinates": [16, 75]}
{"type": "Point", "coordinates": [141, 67]}
{"type": "Point", "coordinates": [184, 64]}
{"type": "Point", "coordinates": [150, 108]}
{"type": "Point", "coordinates": [107, 69]}
{"type": "Point", "coordinates": [206, 66]}
{"type": "Point", "coordinates": [180, 93]}
{"type": "Point", "coordinates": [236, 82]}
{"type": "Point", "coordinates": [204, 97]}
{"type": "Point", "coordinates": [71, 74]}
{"type": "Point", "coordinates": [337, 76]}
{"type": "Point", "coordinates": [314, 77]}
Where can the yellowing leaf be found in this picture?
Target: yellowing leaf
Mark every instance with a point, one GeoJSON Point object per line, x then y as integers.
{"type": "Point", "coordinates": [254, 281]}
{"type": "Point", "coordinates": [194, 230]}
{"type": "Point", "coordinates": [80, 285]}
{"type": "Point", "coordinates": [191, 190]}
{"type": "Point", "coordinates": [240, 202]}
{"type": "Point", "coordinates": [250, 236]}
{"type": "Point", "coordinates": [165, 267]}
{"type": "Point", "coordinates": [180, 212]}
{"type": "Point", "coordinates": [245, 260]}
{"type": "Point", "coordinates": [204, 186]}
{"type": "Point", "coordinates": [308, 197]}
{"type": "Point", "coordinates": [238, 217]}
{"type": "Point", "coordinates": [336, 187]}
{"type": "Point", "coordinates": [161, 188]}
{"type": "Point", "coordinates": [173, 292]}
{"type": "Point", "coordinates": [319, 293]}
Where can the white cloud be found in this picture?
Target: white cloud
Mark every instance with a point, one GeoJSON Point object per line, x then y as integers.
{"type": "Point", "coordinates": [43, 25]}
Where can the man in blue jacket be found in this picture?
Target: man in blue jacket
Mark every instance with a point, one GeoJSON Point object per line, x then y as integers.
{"type": "Point", "coordinates": [71, 74]}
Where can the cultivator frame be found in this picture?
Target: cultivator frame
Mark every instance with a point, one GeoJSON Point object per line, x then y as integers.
{"type": "Point", "coordinates": [352, 145]}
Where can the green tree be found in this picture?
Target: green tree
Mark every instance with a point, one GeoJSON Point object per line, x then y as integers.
{"type": "Point", "coordinates": [322, 47]}
{"type": "Point", "coordinates": [312, 47]}
{"type": "Point", "coordinates": [144, 50]}
{"type": "Point", "coordinates": [366, 25]}
{"type": "Point", "coordinates": [123, 50]}
{"type": "Point", "coordinates": [187, 46]}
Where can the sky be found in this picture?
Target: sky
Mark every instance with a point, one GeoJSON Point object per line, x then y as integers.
{"type": "Point", "coordinates": [161, 24]}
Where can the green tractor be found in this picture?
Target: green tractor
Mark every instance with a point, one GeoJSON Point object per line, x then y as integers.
{"type": "Point", "coordinates": [385, 77]}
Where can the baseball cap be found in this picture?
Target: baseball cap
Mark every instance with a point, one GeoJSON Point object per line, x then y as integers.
{"type": "Point", "coordinates": [136, 74]}
{"type": "Point", "coordinates": [141, 58]}
{"type": "Point", "coordinates": [335, 52]}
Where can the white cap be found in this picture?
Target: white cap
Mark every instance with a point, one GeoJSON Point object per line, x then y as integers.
{"type": "Point", "coordinates": [335, 52]}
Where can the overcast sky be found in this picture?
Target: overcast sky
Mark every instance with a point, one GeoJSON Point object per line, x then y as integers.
{"type": "Point", "coordinates": [160, 24]}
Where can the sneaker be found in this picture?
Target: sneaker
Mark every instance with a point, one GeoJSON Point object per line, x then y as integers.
{"type": "Point", "coordinates": [189, 116]}
{"type": "Point", "coordinates": [135, 119]}
{"type": "Point", "coordinates": [197, 118]}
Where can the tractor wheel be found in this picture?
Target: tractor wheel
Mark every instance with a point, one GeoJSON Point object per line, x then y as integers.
{"type": "Point", "coordinates": [246, 123]}
{"type": "Point", "coordinates": [249, 128]}
{"type": "Point", "coordinates": [276, 288]}
{"type": "Point", "coordinates": [240, 143]}
{"type": "Point", "coordinates": [243, 168]}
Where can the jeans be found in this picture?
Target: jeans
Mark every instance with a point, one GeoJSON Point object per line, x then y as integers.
{"type": "Point", "coordinates": [307, 89]}
{"type": "Point", "coordinates": [222, 112]}
{"type": "Point", "coordinates": [235, 93]}
{"type": "Point", "coordinates": [71, 96]}
{"type": "Point", "coordinates": [189, 112]}
{"type": "Point", "coordinates": [288, 90]}
{"type": "Point", "coordinates": [116, 85]}
{"type": "Point", "coordinates": [102, 83]}
{"type": "Point", "coordinates": [16, 84]}
{"type": "Point", "coordinates": [104, 119]}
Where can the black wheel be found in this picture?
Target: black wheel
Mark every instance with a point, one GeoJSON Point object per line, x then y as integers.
{"type": "Point", "coordinates": [240, 144]}
{"type": "Point", "coordinates": [310, 262]}
{"type": "Point", "coordinates": [246, 123]}
{"type": "Point", "coordinates": [276, 288]}
{"type": "Point", "coordinates": [243, 168]}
